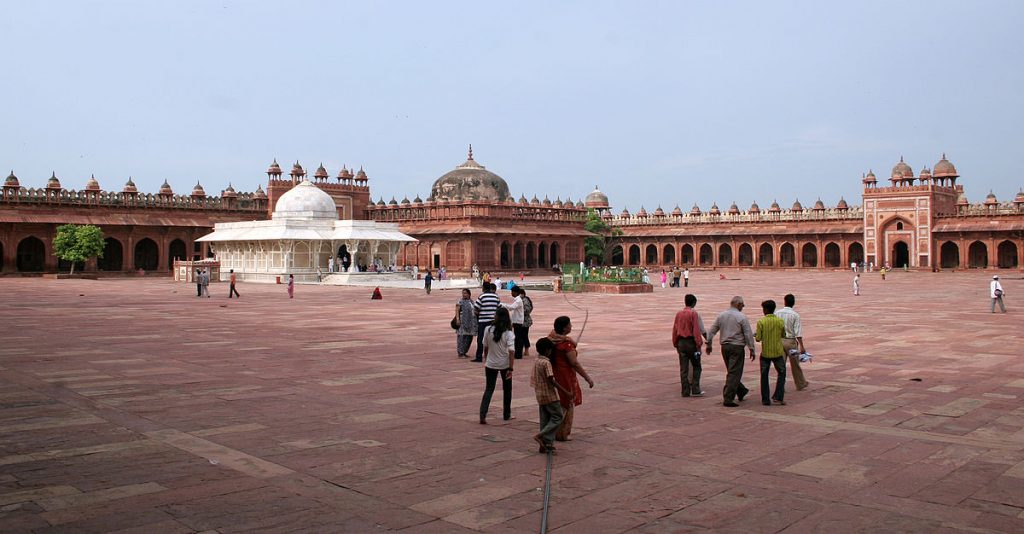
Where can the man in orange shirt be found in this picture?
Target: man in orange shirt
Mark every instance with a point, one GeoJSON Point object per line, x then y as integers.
{"type": "Point", "coordinates": [233, 291]}
{"type": "Point", "coordinates": [688, 337]}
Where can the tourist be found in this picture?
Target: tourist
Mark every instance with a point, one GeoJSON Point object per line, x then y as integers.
{"type": "Point", "coordinates": [995, 290]}
{"type": "Point", "coordinates": [735, 335]}
{"type": "Point", "coordinates": [686, 277]}
{"type": "Point", "coordinates": [566, 366]}
{"type": "Point", "coordinates": [793, 340]}
{"type": "Point", "coordinates": [199, 282]}
{"type": "Point", "coordinates": [319, 275]}
{"type": "Point", "coordinates": [232, 280]}
{"type": "Point", "coordinates": [517, 312]}
{"type": "Point", "coordinates": [527, 320]}
{"type": "Point", "coordinates": [547, 389]}
{"type": "Point", "coordinates": [206, 283]}
{"type": "Point", "coordinates": [676, 275]}
{"type": "Point", "coordinates": [770, 330]}
{"type": "Point", "coordinates": [687, 337]}
{"type": "Point", "coordinates": [664, 278]}
{"type": "Point", "coordinates": [497, 283]}
{"type": "Point", "coordinates": [645, 277]}
{"type": "Point", "coordinates": [330, 264]}
{"type": "Point", "coordinates": [427, 281]}
{"type": "Point", "coordinates": [291, 286]}
{"type": "Point", "coordinates": [465, 319]}
{"type": "Point", "coordinates": [486, 278]}
{"type": "Point", "coordinates": [856, 285]}
{"type": "Point", "coordinates": [884, 270]}
{"type": "Point", "coordinates": [499, 345]}
{"type": "Point", "coordinates": [485, 305]}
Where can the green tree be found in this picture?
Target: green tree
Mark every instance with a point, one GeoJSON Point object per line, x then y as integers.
{"type": "Point", "coordinates": [596, 246]}
{"type": "Point", "coordinates": [75, 243]}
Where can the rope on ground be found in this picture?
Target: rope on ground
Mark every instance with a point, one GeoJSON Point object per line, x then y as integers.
{"type": "Point", "coordinates": [547, 495]}
{"type": "Point", "coordinates": [586, 317]}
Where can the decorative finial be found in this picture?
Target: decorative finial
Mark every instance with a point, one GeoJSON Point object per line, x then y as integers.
{"type": "Point", "coordinates": [901, 159]}
{"type": "Point", "coordinates": [471, 151]}
{"type": "Point", "coordinates": [943, 155]}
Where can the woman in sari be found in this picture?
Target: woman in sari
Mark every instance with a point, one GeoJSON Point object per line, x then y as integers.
{"type": "Point", "coordinates": [465, 319]}
{"type": "Point", "coordinates": [566, 366]}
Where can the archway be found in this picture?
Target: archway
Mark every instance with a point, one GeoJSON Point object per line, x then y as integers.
{"type": "Point", "coordinates": [831, 255]}
{"type": "Point", "coordinates": [518, 255]}
{"type": "Point", "coordinates": [787, 255]}
{"type": "Point", "coordinates": [542, 255]}
{"type": "Point", "coordinates": [113, 256]}
{"type": "Point", "coordinates": [531, 255]}
{"type": "Point", "coordinates": [949, 255]}
{"type": "Point", "coordinates": [555, 257]}
{"type": "Point", "coordinates": [900, 254]}
{"type": "Point", "coordinates": [746, 255]}
{"type": "Point", "coordinates": [669, 256]}
{"type": "Point", "coordinates": [765, 255]}
{"type": "Point", "coordinates": [1007, 255]}
{"type": "Point", "coordinates": [617, 255]}
{"type": "Point", "coordinates": [147, 255]}
{"type": "Point", "coordinates": [175, 251]}
{"type": "Point", "coordinates": [855, 253]}
{"type": "Point", "coordinates": [809, 255]}
{"type": "Point", "coordinates": [346, 257]}
{"type": "Point", "coordinates": [686, 255]}
{"type": "Point", "coordinates": [652, 255]}
{"type": "Point", "coordinates": [977, 255]}
{"type": "Point", "coordinates": [634, 254]}
{"type": "Point", "coordinates": [506, 255]}
{"type": "Point", "coordinates": [707, 254]}
{"type": "Point", "coordinates": [725, 254]}
{"type": "Point", "coordinates": [31, 255]}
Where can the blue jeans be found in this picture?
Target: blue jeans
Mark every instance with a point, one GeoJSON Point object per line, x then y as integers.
{"type": "Point", "coordinates": [780, 381]}
{"type": "Point", "coordinates": [491, 376]}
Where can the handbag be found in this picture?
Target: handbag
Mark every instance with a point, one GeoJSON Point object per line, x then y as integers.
{"type": "Point", "coordinates": [998, 293]}
{"type": "Point", "coordinates": [455, 324]}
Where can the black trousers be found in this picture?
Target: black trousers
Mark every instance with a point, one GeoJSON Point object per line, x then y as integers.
{"type": "Point", "coordinates": [522, 339]}
{"type": "Point", "coordinates": [233, 291]}
{"type": "Point", "coordinates": [733, 356]}
{"type": "Point", "coordinates": [780, 380]}
{"type": "Point", "coordinates": [506, 392]}
{"type": "Point", "coordinates": [199, 290]}
{"type": "Point", "coordinates": [480, 326]}
{"type": "Point", "coordinates": [687, 349]}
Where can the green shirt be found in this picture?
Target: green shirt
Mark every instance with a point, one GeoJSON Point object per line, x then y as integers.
{"type": "Point", "coordinates": [770, 330]}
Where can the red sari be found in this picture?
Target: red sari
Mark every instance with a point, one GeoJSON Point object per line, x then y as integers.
{"type": "Point", "coordinates": [565, 376]}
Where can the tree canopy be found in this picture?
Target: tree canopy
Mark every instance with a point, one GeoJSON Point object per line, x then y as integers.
{"type": "Point", "coordinates": [75, 243]}
{"type": "Point", "coordinates": [596, 246]}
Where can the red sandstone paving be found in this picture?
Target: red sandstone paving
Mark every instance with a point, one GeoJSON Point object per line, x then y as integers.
{"type": "Point", "coordinates": [131, 405]}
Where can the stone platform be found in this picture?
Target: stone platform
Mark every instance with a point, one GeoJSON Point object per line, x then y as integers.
{"type": "Point", "coordinates": [130, 405]}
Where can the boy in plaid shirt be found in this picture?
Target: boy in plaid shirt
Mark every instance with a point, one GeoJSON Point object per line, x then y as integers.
{"type": "Point", "coordinates": [543, 382]}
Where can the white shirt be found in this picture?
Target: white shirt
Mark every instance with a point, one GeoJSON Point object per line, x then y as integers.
{"type": "Point", "coordinates": [497, 351]}
{"type": "Point", "coordinates": [791, 318]}
{"type": "Point", "coordinates": [993, 287]}
{"type": "Point", "coordinates": [686, 273]}
{"type": "Point", "coordinates": [516, 311]}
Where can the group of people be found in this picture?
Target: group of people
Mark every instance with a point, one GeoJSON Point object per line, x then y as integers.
{"type": "Point", "coordinates": [676, 275]}
{"type": "Point", "coordinates": [202, 279]}
{"type": "Point", "coordinates": [780, 334]}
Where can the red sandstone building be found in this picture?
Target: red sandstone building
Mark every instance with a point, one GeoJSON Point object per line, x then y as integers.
{"type": "Point", "coordinates": [923, 222]}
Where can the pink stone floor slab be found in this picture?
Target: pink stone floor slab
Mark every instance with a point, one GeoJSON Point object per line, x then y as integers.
{"type": "Point", "coordinates": [132, 405]}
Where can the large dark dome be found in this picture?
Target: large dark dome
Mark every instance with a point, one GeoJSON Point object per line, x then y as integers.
{"type": "Point", "coordinates": [470, 181]}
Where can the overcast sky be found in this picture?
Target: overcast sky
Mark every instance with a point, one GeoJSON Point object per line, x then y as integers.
{"type": "Point", "coordinates": [658, 103]}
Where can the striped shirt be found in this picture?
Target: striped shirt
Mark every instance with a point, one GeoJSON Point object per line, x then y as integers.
{"type": "Point", "coordinates": [770, 330]}
{"type": "Point", "coordinates": [486, 304]}
{"type": "Point", "coordinates": [792, 319]}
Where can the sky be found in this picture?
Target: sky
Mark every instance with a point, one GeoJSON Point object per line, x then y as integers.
{"type": "Point", "coordinates": [657, 103]}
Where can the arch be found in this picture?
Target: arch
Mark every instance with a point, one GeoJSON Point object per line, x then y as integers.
{"type": "Point", "coordinates": [900, 254]}
{"type": "Point", "coordinates": [634, 254]}
{"type": "Point", "coordinates": [113, 256]}
{"type": "Point", "coordinates": [518, 255]}
{"type": "Point", "coordinates": [725, 254]}
{"type": "Point", "coordinates": [746, 255]}
{"type": "Point", "coordinates": [855, 253]}
{"type": "Point", "coordinates": [832, 256]}
{"type": "Point", "coordinates": [686, 255]}
{"type": "Point", "coordinates": [949, 255]}
{"type": "Point", "coordinates": [809, 255]}
{"type": "Point", "coordinates": [31, 255]}
{"type": "Point", "coordinates": [787, 255]}
{"type": "Point", "coordinates": [555, 257]}
{"type": "Point", "coordinates": [175, 251]}
{"type": "Point", "coordinates": [346, 257]}
{"type": "Point", "coordinates": [668, 255]}
{"type": "Point", "coordinates": [707, 254]}
{"type": "Point", "coordinates": [765, 255]}
{"type": "Point", "coordinates": [1006, 255]}
{"type": "Point", "coordinates": [617, 255]}
{"type": "Point", "coordinates": [506, 255]}
{"type": "Point", "coordinates": [651, 257]}
{"type": "Point", "coordinates": [147, 255]}
{"type": "Point", "coordinates": [531, 255]}
{"type": "Point", "coordinates": [542, 255]}
{"type": "Point", "coordinates": [899, 225]}
{"type": "Point", "coordinates": [301, 259]}
{"type": "Point", "coordinates": [977, 255]}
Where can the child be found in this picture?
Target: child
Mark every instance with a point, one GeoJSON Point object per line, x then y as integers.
{"type": "Point", "coordinates": [770, 330]}
{"type": "Point", "coordinates": [543, 381]}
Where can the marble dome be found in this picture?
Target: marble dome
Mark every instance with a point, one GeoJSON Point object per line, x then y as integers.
{"type": "Point", "coordinates": [470, 181]}
{"type": "Point", "coordinates": [305, 201]}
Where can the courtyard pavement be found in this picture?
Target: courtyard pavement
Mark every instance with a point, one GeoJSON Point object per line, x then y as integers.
{"type": "Point", "coordinates": [133, 406]}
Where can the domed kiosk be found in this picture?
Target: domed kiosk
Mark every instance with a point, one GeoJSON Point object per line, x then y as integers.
{"type": "Point", "coordinates": [303, 236]}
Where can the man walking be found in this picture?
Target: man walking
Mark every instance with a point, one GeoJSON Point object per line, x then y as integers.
{"type": "Point", "coordinates": [232, 280]}
{"type": "Point", "coordinates": [199, 282]}
{"type": "Point", "coordinates": [206, 283]}
{"type": "Point", "coordinates": [769, 332]}
{"type": "Point", "coordinates": [735, 335]}
{"type": "Point", "coordinates": [686, 278]}
{"type": "Point", "coordinates": [486, 305]}
{"type": "Point", "coordinates": [793, 340]}
{"type": "Point", "coordinates": [676, 273]}
{"type": "Point", "coordinates": [995, 290]}
{"type": "Point", "coordinates": [688, 337]}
